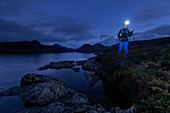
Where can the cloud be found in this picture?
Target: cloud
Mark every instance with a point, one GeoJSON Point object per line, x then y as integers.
{"type": "Point", "coordinates": [158, 32]}
{"type": "Point", "coordinates": [19, 22]}
{"type": "Point", "coordinates": [74, 29]}
{"type": "Point", "coordinates": [60, 30]}
{"type": "Point", "coordinates": [147, 25]}
{"type": "Point", "coordinates": [14, 8]}
{"type": "Point", "coordinates": [107, 40]}
{"type": "Point", "coordinates": [152, 12]}
{"type": "Point", "coordinates": [12, 31]}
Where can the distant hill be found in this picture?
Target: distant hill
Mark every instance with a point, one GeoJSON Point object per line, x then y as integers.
{"type": "Point", "coordinates": [156, 42]}
{"type": "Point", "coordinates": [152, 42]}
{"type": "Point", "coordinates": [92, 48]}
{"type": "Point", "coordinates": [37, 47]}
{"type": "Point", "coordinates": [31, 47]}
{"type": "Point", "coordinates": [61, 47]}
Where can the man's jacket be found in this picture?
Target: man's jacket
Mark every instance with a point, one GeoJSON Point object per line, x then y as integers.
{"type": "Point", "coordinates": [125, 34]}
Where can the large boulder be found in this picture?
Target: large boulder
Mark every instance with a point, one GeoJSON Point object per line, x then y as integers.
{"type": "Point", "coordinates": [43, 93]}
{"type": "Point", "coordinates": [32, 78]}
{"type": "Point", "coordinates": [38, 89]}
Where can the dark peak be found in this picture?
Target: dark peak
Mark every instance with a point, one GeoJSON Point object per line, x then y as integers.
{"type": "Point", "coordinates": [57, 45]}
{"type": "Point", "coordinates": [95, 45]}
{"type": "Point", "coordinates": [61, 47]}
{"type": "Point", "coordinates": [98, 45]}
{"type": "Point", "coordinates": [86, 45]}
{"type": "Point", "coordinates": [36, 41]}
{"type": "Point", "coordinates": [18, 42]}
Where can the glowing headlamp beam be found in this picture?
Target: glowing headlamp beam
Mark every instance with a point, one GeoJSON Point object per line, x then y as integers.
{"type": "Point", "coordinates": [127, 22]}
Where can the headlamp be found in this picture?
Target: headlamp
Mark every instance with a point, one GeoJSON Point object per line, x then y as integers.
{"type": "Point", "coordinates": [127, 22]}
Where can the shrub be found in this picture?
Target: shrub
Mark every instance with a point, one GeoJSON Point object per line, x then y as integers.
{"type": "Point", "coordinates": [156, 104]}
{"type": "Point", "coordinates": [159, 83]}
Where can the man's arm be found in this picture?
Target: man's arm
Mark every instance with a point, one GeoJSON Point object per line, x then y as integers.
{"type": "Point", "coordinates": [130, 33]}
{"type": "Point", "coordinates": [118, 35]}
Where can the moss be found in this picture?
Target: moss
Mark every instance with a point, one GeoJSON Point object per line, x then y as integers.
{"type": "Point", "coordinates": [156, 104]}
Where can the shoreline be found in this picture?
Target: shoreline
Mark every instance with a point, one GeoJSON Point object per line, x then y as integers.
{"type": "Point", "coordinates": [122, 76]}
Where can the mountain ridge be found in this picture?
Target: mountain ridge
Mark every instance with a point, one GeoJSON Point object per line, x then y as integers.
{"type": "Point", "coordinates": [36, 47]}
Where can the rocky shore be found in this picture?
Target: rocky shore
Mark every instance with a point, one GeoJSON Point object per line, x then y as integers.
{"type": "Point", "coordinates": [50, 96]}
{"type": "Point", "coordinates": [92, 68]}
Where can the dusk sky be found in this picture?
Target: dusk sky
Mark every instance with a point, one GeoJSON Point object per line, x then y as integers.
{"type": "Point", "coordinates": [73, 23]}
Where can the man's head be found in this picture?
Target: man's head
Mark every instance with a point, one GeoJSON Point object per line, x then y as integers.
{"type": "Point", "coordinates": [125, 26]}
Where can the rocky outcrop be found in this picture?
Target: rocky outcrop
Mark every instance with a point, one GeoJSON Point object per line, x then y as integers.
{"type": "Point", "coordinates": [80, 62]}
{"type": "Point", "coordinates": [46, 92]}
{"type": "Point", "coordinates": [89, 65]}
{"type": "Point", "coordinates": [58, 65]}
{"type": "Point", "coordinates": [76, 69]}
{"type": "Point", "coordinates": [132, 109]}
{"type": "Point", "coordinates": [78, 103]}
{"type": "Point", "coordinates": [63, 65]}
{"type": "Point", "coordinates": [38, 89]}
{"type": "Point", "coordinates": [92, 65]}
{"type": "Point", "coordinates": [91, 78]}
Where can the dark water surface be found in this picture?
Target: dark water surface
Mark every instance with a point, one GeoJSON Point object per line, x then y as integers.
{"type": "Point", "coordinates": [13, 67]}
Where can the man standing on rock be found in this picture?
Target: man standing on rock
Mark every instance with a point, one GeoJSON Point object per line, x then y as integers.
{"type": "Point", "coordinates": [123, 35]}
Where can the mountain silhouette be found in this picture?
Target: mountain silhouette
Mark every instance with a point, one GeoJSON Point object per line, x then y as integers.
{"type": "Point", "coordinates": [31, 47]}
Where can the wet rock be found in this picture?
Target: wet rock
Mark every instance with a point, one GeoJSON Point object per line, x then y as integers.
{"type": "Point", "coordinates": [77, 100]}
{"type": "Point", "coordinates": [93, 66]}
{"type": "Point", "coordinates": [76, 69]}
{"type": "Point", "coordinates": [80, 62]}
{"type": "Point", "coordinates": [54, 108]}
{"type": "Point", "coordinates": [133, 109]}
{"type": "Point", "coordinates": [32, 78]}
{"type": "Point", "coordinates": [89, 65]}
{"type": "Point", "coordinates": [78, 103]}
{"type": "Point", "coordinates": [58, 65]}
{"type": "Point", "coordinates": [42, 93]}
{"type": "Point", "coordinates": [81, 109]}
{"type": "Point", "coordinates": [12, 91]}
{"type": "Point", "coordinates": [97, 109]}
{"type": "Point", "coordinates": [91, 78]}
{"type": "Point", "coordinates": [38, 90]}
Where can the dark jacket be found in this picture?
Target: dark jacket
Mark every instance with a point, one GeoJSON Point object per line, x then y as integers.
{"type": "Point", "coordinates": [125, 34]}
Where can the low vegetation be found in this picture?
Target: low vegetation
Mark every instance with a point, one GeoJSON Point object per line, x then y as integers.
{"type": "Point", "coordinates": [145, 75]}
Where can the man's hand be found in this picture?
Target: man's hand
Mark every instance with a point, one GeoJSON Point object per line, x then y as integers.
{"type": "Point", "coordinates": [120, 35]}
{"type": "Point", "coordinates": [131, 29]}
